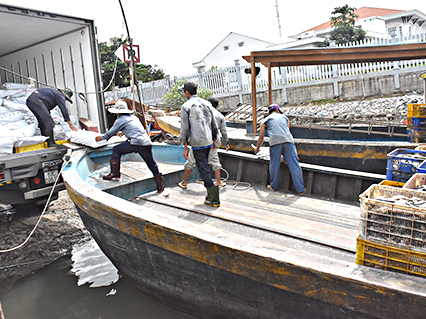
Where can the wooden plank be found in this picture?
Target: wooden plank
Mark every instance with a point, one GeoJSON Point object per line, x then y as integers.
{"type": "Point", "coordinates": [276, 213]}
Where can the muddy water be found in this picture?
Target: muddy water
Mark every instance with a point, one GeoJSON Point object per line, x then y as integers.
{"type": "Point", "coordinates": [85, 285]}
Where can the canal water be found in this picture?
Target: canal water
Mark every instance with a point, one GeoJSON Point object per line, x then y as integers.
{"type": "Point", "coordinates": [84, 285]}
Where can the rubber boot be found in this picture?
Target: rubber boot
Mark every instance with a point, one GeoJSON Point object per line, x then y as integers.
{"type": "Point", "coordinates": [212, 198]}
{"type": "Point", "coordinates": [115, 171]}
{"type": "Point", "coordinates": [159, 181]}
{"type": "Point", "coordinates": [51, 141]}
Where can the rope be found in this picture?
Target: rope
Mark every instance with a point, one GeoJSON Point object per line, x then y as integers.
{"type": "Point", "coordinates": [79, 94]}
{"type": "Point", "coordinates": [225, 180]}
{"type": "Point", "coordinates": [41, 215]}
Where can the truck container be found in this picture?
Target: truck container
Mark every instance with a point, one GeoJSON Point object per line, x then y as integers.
{"type": "Point", "coordinates": [56, 51]}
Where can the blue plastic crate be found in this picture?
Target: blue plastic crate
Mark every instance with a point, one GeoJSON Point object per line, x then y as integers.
{"type": "Point", "coordinates": [403, 163]}
{"type": "Point", "coordinates": [416, 121]}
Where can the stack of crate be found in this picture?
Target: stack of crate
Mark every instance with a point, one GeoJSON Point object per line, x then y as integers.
{"type": "Point", "coordinates": [403, 163]}
{"type": "Point", "coordinates": [392, 229]}
{"type": "Point", "coordinates": [416, 122]}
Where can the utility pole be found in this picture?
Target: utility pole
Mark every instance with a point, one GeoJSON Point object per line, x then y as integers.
{"type": "Point", "coordinates": [278, 17]}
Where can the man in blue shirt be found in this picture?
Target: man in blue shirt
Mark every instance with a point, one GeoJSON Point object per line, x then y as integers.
{"type": "Point", "coordinates": [280, 142]}
{"type": "Point", "coordinates": [198, 127]}
{"type": "Point", "coordinates": [138, 141]}
{"type": "Point", "coordinates": [42, 101]}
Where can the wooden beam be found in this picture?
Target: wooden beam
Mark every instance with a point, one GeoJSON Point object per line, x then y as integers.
{"type": "Point", "coordinates": [270, 83]}
{"type": "Point", "coordinates": [253, 95]}
{"type": "Point", "coordinates": [380, 53]}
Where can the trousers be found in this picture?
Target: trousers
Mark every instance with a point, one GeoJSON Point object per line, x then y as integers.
{"type": "Point", "coordinates": [41, 112]}
{"type": "Point", "coordinates": [201, 161]}
{"type": "Point", "coordinates": [288, 150]}
{"type": "Point", "coordinates": [144, 151]}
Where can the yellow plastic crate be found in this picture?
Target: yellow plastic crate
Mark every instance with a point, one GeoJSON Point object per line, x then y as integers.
{"type": "Point", "coordinates": [392, 258]}
{"type": "Point", "coordinates": [29, 148]}
{"type": "Point", "coordinates": [416, 110]}
{"type": "Point", "coordinates": [392, 183]}
{"type": "Point", "coordinates": [35, 147]}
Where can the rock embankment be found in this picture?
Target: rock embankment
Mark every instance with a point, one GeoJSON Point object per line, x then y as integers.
{"type": "Point", "coordinates": [389, 109]}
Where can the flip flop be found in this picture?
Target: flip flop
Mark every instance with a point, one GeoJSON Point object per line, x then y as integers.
{"type": "Point", "coordinates": [182, 186]}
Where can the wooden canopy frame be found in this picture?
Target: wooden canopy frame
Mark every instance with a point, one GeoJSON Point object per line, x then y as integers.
{"type": "Point", "coordinates": [347, 55]}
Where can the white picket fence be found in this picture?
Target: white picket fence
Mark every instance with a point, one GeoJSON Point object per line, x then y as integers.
{"type": "Point", "coordinates": [232, 80]}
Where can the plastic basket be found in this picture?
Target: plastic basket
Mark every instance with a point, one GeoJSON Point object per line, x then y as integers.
{"type": "Point", "coordinates": [416, 181]}
{"type": "Point", "coordinates": [416, 121]}
{"type": "Point", "coordinates": [390, 258]}
{"type": "Point", "coordinates": [403, 163]}
{"type": "Point", "coordinates": [393, 222]}
{"type": "Point", "coordinates": [416, 110]}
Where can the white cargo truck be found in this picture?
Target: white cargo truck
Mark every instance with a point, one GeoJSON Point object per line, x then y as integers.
{"type": "Point", "coordinates": [56, 51]}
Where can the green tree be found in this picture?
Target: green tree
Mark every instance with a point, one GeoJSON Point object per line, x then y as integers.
{"type": "Point", "coordinates": [343, 24]}
{"type": "Point", "coordinates": [174, 97]}
{"type": "Point", "coordinates": [144, 72]}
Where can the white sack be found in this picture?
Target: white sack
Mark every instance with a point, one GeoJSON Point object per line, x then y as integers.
{"type": "Point", "coordinates": [86, 138]}
{"type": "Point", "coordinates": [15, 86]}
{"type": "Point", "coordinates": [19, 129]}
{"type": "Point", "coordinates": [4, 110]}
{"type": "Point", "coordinates": [11, 117]}
{"type": "Point", "coordinates": [32, 140]}
{"type": "Point", "coordinates": [12, 106]}
{"type": "Point", "coordinates": [6, 145]}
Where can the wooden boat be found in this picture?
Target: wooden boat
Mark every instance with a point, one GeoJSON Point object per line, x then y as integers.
{"type": "Point", "coordinates": [261, 254]}
{"type": "Point", "coordinates": [340, 149]}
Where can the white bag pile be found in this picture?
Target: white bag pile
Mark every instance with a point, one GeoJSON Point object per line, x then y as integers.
{"type": "Point", "coordinates": [18, 123]}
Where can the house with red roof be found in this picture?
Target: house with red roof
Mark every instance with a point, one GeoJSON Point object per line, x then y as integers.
{"type": "Point", "coordinates": [376, 22]}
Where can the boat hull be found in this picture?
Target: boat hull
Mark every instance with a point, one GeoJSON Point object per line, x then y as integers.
{"type": "Point", "coordinates": [184, 262]}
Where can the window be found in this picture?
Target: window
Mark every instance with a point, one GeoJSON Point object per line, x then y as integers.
{"type": "Point", "coordinates": [226, 47]}
{"type": "Point", "coordinates": [240, 44]}
{"type": "Point", "coordinates": [392, 32]}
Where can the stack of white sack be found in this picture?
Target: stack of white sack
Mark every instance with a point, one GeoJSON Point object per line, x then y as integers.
{"type": "Point", "coordinates": [19, 125]}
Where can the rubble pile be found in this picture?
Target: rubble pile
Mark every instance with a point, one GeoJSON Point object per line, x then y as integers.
{"type": "Point", "coordinates": [389, 109]}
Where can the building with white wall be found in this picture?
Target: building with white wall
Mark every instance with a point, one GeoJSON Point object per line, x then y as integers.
{"type": "Point", "coordinates": [231, 48]}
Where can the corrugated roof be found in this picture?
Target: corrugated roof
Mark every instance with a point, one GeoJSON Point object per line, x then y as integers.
{"type": "Point", "coordinates": [364, 12]}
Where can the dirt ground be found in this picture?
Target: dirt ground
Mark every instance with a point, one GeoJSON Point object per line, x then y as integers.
{"type": "Point", "coordinates": [59, 229]}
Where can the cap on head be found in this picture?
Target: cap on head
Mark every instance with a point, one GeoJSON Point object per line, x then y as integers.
{"type": "Point", "coordinates": [68, 94]}
{"type": "Point", "coordinates": [191, 87]}
{"type": "Point", "coordinates": [120, 107]}
{"type": "Point", "coordinates": [273, 108]}
{"type": "Point", "coordinates": [214, 101]}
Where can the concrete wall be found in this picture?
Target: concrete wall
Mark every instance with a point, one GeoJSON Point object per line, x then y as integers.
{"type": "Point", "coordinates": [354, 87]}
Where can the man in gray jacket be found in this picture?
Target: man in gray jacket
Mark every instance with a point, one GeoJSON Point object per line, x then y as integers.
{"type": "Point", "coordinates": [213, 159]}
{"type": "Point", "coordinates": [198, 127]}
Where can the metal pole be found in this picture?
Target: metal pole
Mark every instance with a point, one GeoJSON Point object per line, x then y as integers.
{"type": "Point", "coordinates": [132, 68]}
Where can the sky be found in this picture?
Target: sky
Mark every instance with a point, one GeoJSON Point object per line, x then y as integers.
{"type": "Point", "coordinates": [174, 34]}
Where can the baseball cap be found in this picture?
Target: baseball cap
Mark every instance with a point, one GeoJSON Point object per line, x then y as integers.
{"type": "Point", "coordinates": [191, 87]}
{"type": "Point", "coordinates": [214, 101]}
{"type": "Point", "coordinates": [273, 107]}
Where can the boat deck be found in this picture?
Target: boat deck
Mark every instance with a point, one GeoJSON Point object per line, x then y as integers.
{"type": "Point", "coordinates": [253, 211]}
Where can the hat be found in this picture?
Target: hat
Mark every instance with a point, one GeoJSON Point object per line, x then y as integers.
{"type": "Point", "coordinates": [120, 107]}
{"type": "Point", "coordinates": [191, 87]}
{"type": "Point", "coordinates": [68, 94]}
{"type": "Point", "coordinates": [214, 101]}
{"type": "Point", "coordinates": [273, 107]}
